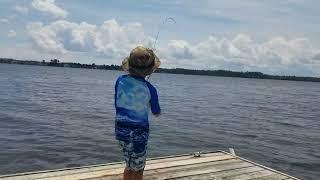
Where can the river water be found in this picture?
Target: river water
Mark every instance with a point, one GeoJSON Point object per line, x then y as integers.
{"type": "Point", "coordinates": [62, 117]}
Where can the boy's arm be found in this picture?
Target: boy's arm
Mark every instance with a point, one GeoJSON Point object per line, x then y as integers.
{"type": "Point", "coordinates": [154, 101]}
{"type": "Point", "coordinates": [116, 90]}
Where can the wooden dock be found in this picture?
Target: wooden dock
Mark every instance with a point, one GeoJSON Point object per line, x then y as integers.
{"type": "Point", "coordinates": [214, 165]}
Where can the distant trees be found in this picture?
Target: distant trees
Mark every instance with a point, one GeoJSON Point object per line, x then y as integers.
{"type": "Point", "coordinates": [223, 73]}
{"type": "Point", "coordinates": [54, 62]}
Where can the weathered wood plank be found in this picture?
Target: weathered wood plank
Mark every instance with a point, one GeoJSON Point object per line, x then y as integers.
{"type": "Point", "coordinates": [88, 169]}
{"type": "Point", "coordinates": [188, 162]}
{"type": "Point", "coordinates": [222, 174]}
{"type": "Point", "coordinates": [152, 166]}
{"type": "Point", "coordinates": [257, 164]}
{"type": "Point", "coordinates": [197, 165]}
{"type": "Point", "coordinates": [87, 175]}
{"type": "Point", "coordinates": [215, 166]}
{"type": "Point", "coordinates": [64, 172]}
{"type": "Point", "coordinates": [196, 169]}
{"type": "Point", "coordinates": [273, 177]}
{"type": "Point", "coordinates": [179, 158]}
{"type": "Point", "coordinates": [252, 175]}
{"type": "Point", "coordinates": [118, 177]}
{"type": "Point", "coordinates": [60, 172]}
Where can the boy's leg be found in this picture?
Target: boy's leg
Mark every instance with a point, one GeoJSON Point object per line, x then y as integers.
{"type": "Point", "coordinates": [139, 159]}
{"type": "Point", "coordinates": [128, 174]}
{"type": "Point", "coordinates": [127, 150]}
{"type": "Point", "coordinates": [135, 158]}
{"type": "Point", "coordinates": [138, 175]}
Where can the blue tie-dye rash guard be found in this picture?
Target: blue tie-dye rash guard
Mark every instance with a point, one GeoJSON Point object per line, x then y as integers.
{"type": "Point", "coordinates": [134, 96]}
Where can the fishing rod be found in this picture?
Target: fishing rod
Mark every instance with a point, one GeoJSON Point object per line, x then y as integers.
{"type": "Point", "coordinates": [166, 20]}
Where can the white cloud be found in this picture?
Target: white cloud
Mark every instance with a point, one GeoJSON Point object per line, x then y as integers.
{"type": "Point", "coordinates": [4, 20]}
{"type": "Point", "coordinates": [241, 53]}
{"type": "Point", "coordinates": [49, 7]}
{"type": "Point", "coordinates": [12, 33]}
{"type": "Point", "coordinates": [180, 49]}
{"type": "Point", "coordinates": [110, 39]}
{"type": "Point", "coordinates": [45, 38]}
{"type": "Point", "coordinates": [114, 41]}
{"type": "Point", "coordinates": [21, 9]}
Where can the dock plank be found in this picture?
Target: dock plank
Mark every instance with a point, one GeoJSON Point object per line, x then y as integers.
{"type": "Point", "coordinates": [196, 169]}
{"type": "Point", "coordinates": [179, 158]}
{"type": "Point", "coordinates": [189, 161]}
{"type": "Point", "coordinates": [222, 174]}
{"type": "Point", "coordinates": [151, 166]}
{"type": "Point", "coordinates": [62, 172]}
{"type": "Point", "coordinates": [68, 172]}
{"type": "Point", "coordinates": [272, 176]}
{"type": "Point", "coordinates": [216, 166]}
{"type": "Point", "coordinates": [258, 175]}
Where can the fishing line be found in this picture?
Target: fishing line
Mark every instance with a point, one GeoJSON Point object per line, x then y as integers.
{"type": "Point", "coordinates": [168, 19]}
{"type": "Point", "coordinates": [160, 26]}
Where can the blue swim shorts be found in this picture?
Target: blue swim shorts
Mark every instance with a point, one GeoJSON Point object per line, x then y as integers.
{"type": "Point", "coordinates": [134, 154]}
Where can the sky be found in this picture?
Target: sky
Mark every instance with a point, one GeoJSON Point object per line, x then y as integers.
{"type": "Point", "coordinates": [271, 36]}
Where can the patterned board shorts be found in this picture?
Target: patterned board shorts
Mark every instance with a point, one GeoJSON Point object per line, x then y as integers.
{"type": "Point", "coordinates": [134, 154]}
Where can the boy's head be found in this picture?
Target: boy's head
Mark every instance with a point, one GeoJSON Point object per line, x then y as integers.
{"type": "Point", "coordinates": [141, 62]}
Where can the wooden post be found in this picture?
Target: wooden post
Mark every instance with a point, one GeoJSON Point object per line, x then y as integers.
{"type": "Point", "coordinates": [231, 150]}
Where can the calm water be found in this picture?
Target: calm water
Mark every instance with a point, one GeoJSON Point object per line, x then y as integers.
{"type": "Point", "coordinates": [60, 117]}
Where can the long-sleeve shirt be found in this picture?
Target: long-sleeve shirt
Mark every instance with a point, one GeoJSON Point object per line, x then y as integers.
{"type": "Point", "coordinates": [134, 97]}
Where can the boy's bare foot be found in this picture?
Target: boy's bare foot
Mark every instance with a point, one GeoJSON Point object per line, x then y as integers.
{"type": "Point", "coordinates": [132, 175]}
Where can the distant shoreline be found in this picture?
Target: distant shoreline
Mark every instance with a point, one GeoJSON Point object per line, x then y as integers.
{"type": "Point", "coordinates": [220, 73]}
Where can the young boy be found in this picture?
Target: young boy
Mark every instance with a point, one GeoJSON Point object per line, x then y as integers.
{"type": "Point", "coordinates": [134, 96]}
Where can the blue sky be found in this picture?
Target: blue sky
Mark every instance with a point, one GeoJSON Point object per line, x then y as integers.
{"type": "Point", "coordinates": [272, 36]}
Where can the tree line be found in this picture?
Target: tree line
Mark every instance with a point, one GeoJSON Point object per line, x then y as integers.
{"type": "Point", "coordinates": [221, 73]}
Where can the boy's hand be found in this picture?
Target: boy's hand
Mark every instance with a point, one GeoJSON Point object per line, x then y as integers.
{"type": "Point", "coordinates": [157, 115]}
